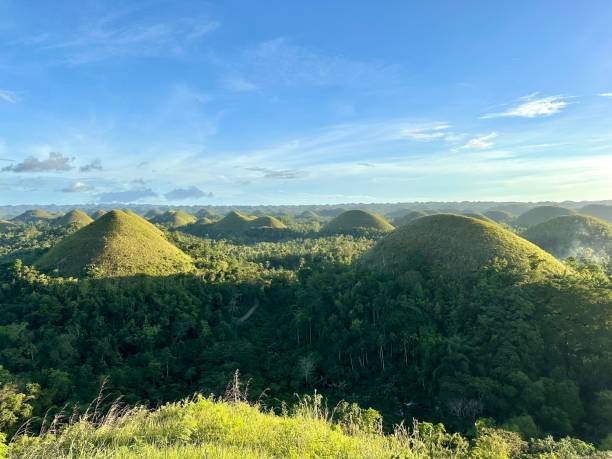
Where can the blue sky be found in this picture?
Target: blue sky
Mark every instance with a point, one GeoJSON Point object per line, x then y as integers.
{"type": "Point", "coordinates": [272, 102]}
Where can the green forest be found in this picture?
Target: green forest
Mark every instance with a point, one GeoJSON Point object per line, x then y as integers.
{"type": "Point", "coordinates": [455, 322]}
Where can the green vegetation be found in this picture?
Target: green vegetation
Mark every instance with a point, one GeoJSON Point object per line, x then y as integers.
{"type": "Point", "coordinates": [358, 221]}
{"type": "Point", "coordinates": [173, 219]}
{"type": "Point", "coordinates": [98, 213]}
{"type": "Point", "coordinates": [34, 216]}
{"type": "Point", "coordinates": [478, 216]}
{"type": "Point", "coordinates": [407, 218]}
{"type": "Point", "coordinates": [6, 225]}
{"type": "Point", "coordinates": [75, 219]}
{"type": "Point", "coordinates": [573, 236]}
{"type": "Point", "coordinates": [500, 216]}
{"type": "Point", "coordinates": [117, 244]}
{"type": "Point", "coordinates": [598, 210]}
{"type": "Point", "coordinates": [457, 245]}
{"type": "Point", "coordinates": [448, 319]}
{"type": "Point", "coordinates": [541, 214]}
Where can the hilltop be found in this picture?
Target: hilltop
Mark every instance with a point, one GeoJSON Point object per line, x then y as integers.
{"type": "Point", "coordinates": [35, 215]}
{"type": "Point", "coordinates": [98, 213]}
{"type": "Point", "coordinates": [174, 219]}
{"type": "Point", "coordinates": [598, 210]}
{"type": "Point", "coordinates": [266, 222]}
{"type": "Point", "coordinates": [117, 244]}
{"type": "Point", "coordinates": [76, 218]}
{"type": "Point", "coordinates": [456, 245]}
{"type": "Point", "coordinates": [541, 214]}
{"type": "Point", "coordinates": [570, 235]}
{"type": "Point", "coordinates": [309, 215]}
{"type": "Point", "coordinates": [233, 222]}
{"type": "Point", "coordinates": [499, 216]}
{"type": "Point", "coordinates": [357, 221]}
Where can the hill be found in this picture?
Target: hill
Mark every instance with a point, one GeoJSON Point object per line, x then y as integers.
{"type": "Point", "coordinates": [571, 235]}
{"type": "Point", "coordinates": [478, 216]}
{"type": "Point", "coordinates": [598, 210]}
{"type": "Point", "coordinates": [541, 214]}
{"type": "Point", "coordinates": [98, 213]}
{"type": "Point", "coordinates": [207, 213]}
{"type": "Point", "coordinates": [76, 218]}
{"type": "Point", "coordinates": [308, 215]}
{"type": "Point", "coordinates": [499, 216]}
{"type": "Point", "coordinates": [117, 244]}
{"type": "Point", "coordinates": [357, 220]}
{"type": "Point", "coordinates": [233, 222]}
{"type": "Point", "coordinates": [35, 215]}
{"type": "Point", "coordinates": [456, 245]}
{"type": "Point", "coordinates": [174, 219]}
{"type": "Point", "coordinates": [7, 225]}
{"type": "Point", "coordinates": [409, 217]}
{"type": "Point", "coordinates": [266, 222]}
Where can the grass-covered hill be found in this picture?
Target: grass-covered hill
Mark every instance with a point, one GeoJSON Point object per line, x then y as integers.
{"type": "Point", "coordinates": [598, 210]}
{"type": "Point", "coordinates": [456, 245]}
{"type": "Point", "coordinates": [500, 216]}
{"type": "Point", "coordinates": [117, 244]}
{"type": "Point", "coordinates": [174, 219]}
{"type": "Point", "coordinates": [407, 218]}
{"type": "Point", "coordinates": [98, 213]}
{"type": "Point", "coordinates": [7, 225]}
{"type": "Point", "coordinates": [573, 235]}
{"type": "Point", "coordinates": [233, 222]}
{"type": "Point", "coordinates": [541, 214]}
{"type": "Point", "coordinates": [207, 213]}
{"type": "Point", "coordinates": [478, 216]}
{"type": "Point", "coordinates": [76, 218]}
{"type": "Point", "coordinates": [207, 428]}
{"type": "Point", "coordinates": [353, 221]}
{"type": "Point", "coordinates": [266, 222]}
{"type": "Point", "coordinates": [308, 215]}
{"type": "Point", "coordinates": [35, 215]}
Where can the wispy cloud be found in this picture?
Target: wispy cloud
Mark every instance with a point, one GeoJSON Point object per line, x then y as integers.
{"type": "Point", "coordinates": [425, 133]}
{"type": "Point", "coordinates": [122, 35]}
{"type": "Point", "coordinates": [95, 165]}
{"type": "Point", "coordinates": [532, 107]}
{"type": "Point", "coordinates": [55, 162]}
{"type": "Point", "coordinates": [77, 187]}
{"type": "Point", "coordinates": [8, 96]}
{"type": "Point", "coordinates": [127, 196]}
{"type": "Point", "coordinates": [192, 192]}
{"type": "Point", "coordinates": [481, 142]}
{"type": "Point", "coordinates": [277, 174]}
{"type": "Point", "coordinates": [606, 94]}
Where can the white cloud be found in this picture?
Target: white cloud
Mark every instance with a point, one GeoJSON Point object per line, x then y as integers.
{"type": "Point", "coordinates": [606, 94]}
{"type": "Point", "coordinates": [481, 142]}
{"type": "Point", "coordinates": [533, 108]}
{"type": "Point", "coordinates": [77, 187]}
{"type": "Point", "coordinates": [425, 133]}
{"type": "Point", "coordinates": [8, 96]}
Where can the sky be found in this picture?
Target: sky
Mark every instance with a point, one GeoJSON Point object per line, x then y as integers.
{"type": "Point", "coordinates": [277, 102]}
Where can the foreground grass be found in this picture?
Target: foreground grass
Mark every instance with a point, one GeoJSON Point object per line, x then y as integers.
{"type": "Point", "coordinates": [207, 428]}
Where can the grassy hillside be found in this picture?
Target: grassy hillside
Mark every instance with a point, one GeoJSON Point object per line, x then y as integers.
{"type": "Point", "coordinates": [7, 225]}
{"type": "Point", "coordinates": [541, 214]}
{"type": "Point", "coordinates": [174, 219]}
{"type": "Point", "coordinates": [478, 216]}
{"type": "Point", "coordinates": [35, 215]}
{"type": "Point", "coordinates": [357, 220]}
{"type": "Point", "coordinates": [309, 215]}
{"type": "Point", "coordinates": [400, 221]}
{"type": "Point", "coordinates": [499, 216]}
{"type": "Point", "coordinates": [98, 213]}
{"type": "Point", "coordinates": [233, 222]}
{"type": "Point", "coordinates": [117, 244]}
{"type": "Point", "coordinates": [456, 245]}
{"type": "Point", "coordinates": [266, 222]}
{"type": "Point", "coordinates": [573, 235]}
{"type": "Point", "coordinates": [598, 210]}
{"type": "Point", "coordinates": [76, 218]}
{"type": "Point", "coordinates": [203, 428]}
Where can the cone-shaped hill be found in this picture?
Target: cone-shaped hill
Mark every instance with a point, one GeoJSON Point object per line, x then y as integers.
{"type": "Point", "coordinates": [308, 215]}
{"type": "Point", "coordinates": [266, 222]}
{"type": "Point", "coordinates": [541, 214]}
{"type": "Point", "coordinates": [572, 235]}
{"type": "Point", "coordinates": [456, 245]}
{"type": "Point", "coordinates": [207, 213]}
{"type": "Point", "coordinates": [117, 244]}
{"type": "Point", "coordinates": [98, 213]}
{"type": "Point", "coordinates": [76, 218]}
{"type": "Point", "coordinates": [234, 222]}
{"type": "Point", "coordinates": [358, 221]}
{"type": "Point", "coordinates": [409, 217]}
{"type": "Point", "coordinates": [35, 215]}
{"type": "Point", "coordinates": [499, 216]}
{"type": "Point", "coordinates": [478, 216]}
{"type": "Point", "coordinates": [174, 219]}
{"type": "Point", "coordinates": [598, 210]}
